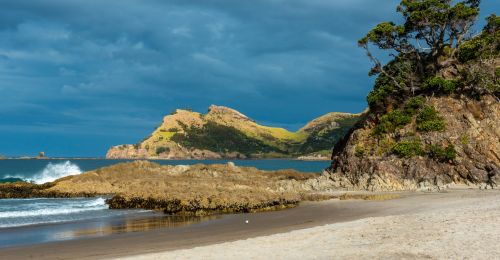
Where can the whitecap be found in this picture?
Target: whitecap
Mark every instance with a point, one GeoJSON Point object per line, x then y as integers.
{"type": "Point", "coordinates": [52, 172]}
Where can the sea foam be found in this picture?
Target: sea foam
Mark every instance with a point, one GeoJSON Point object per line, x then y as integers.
{"type": "Point", "coordinates": [54, 209]}
{"type": "Point", "coordinates": [52, 172]}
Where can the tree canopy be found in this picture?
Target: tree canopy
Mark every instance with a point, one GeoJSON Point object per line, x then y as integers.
{"type": "Point", "coordinates": [425, 44]}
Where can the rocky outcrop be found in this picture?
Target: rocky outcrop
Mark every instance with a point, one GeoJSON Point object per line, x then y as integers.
{"type": "Point", "coordinates": [181, 190]}
{"type": "Point", "coordinates": [472, 130]}
{"type": "Point", "coordinates": [24, 190]}
{"type": "Point", "coordinates": [226, 133]}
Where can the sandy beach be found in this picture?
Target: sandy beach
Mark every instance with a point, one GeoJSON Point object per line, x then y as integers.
{"type": "Point", "coordinates": [457, 225]}
{"type": "Point", "coordinates": [453, 224]}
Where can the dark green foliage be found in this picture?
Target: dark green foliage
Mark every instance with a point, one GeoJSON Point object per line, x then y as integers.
{"type": "Point", "coordinates": [427, 41]}
{"type": "Point", "coordinates": [383, 88]}
{"type": "Point", "coordinates": [386, 88]}
{"type": "Point", "coordinates": [485, 45]}
{"type": "Point", "coordinates": [438, 24]}
{"type": "Point", "coordinates": [160, 150]}
{"type": "Point", "coordinates": [325, 140]}
{"type": "Point", "coordinates": [428, 120]}
{"type": "Point", "coordinates": [471, 49]}
{"type": "Point", "coordinates": [220, 138]}
{"type": "Point", "coordinates": [399, 118]}
{"type": "Point", "coordinates": [359, 151]}
{"type": "Point", "coordinates": [137, 146]}
{"type": "Point", "coordinates": [413, 105]}
{"type": "Point", "coordinates": [442, 154]}
{"type": "Point", "coordinates": [440, 85]}
{"type": "Point", "coordinates": [391, 121]}
{"type": "Point", "coordinates": [408, 149]}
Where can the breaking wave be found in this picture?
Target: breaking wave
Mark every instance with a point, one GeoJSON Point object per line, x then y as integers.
{"type": "Point", "coordinates": [52, 172]}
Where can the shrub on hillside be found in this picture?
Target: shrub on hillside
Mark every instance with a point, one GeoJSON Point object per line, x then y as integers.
{"type": "Point", "coordinates": [391, 121]}
{"type": "Point", "coordinates": [160, 150]}
{"type": "Point", "coordinates": [439, 84]}
{"type": "Point", "coordinates": [408, 149]}
{"type": "Point", "coordinates": [413, 105]}
{"type": "Point", "coordinates": [428, 120]}
{"type": "Point", "coordinates": [442, 154]}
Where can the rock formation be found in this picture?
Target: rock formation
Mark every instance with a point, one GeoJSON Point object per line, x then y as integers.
{"type": "Point", "coordinates": [434, 118]}
{"type": "Point", "coordinates": [226, 133]}
{"type": "Point", "coordinates": [472, 128]}
{"type": "Point", "coordinates": [182, 190]}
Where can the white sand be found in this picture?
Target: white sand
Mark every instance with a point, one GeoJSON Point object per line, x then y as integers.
{"type": "Point", "coordinates": [462, 226]}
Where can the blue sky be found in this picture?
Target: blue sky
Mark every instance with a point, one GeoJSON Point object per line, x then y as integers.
{"type": "Point", "coordinates": [79, 76]}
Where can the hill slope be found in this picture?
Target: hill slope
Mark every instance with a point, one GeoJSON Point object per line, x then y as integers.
{"type": "Point", "coordinates": [226, 133]}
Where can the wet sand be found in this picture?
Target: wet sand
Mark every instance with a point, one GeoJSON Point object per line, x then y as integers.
{"type": "Point", "coordinates": [233, 227]}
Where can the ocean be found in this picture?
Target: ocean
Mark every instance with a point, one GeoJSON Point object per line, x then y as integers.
{"type": "Point", "coordinates": [30, 221]}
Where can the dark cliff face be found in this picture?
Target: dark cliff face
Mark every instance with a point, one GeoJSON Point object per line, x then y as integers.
{"type": "Point", "coordinates": [460, 145]}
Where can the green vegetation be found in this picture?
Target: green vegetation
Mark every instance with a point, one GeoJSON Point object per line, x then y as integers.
{"type": "Point", "coordinates": [391, 121]}
{"type": "Point", "coordinates": [359, 151]}
{"type": "Point", "coordinates": [442, 154]}
{"type": "Point", "coordinates": [397, 119]}
{"type": "Point", "coordinates": [428, 120]}
{"type": "Point", "coordinates": [222, 139]}
{"type": "Point", "coordinates": [464, 139]}
{"type": "Point", "coordinates": [440, 85]}
{"type": "Point", "coordinates": [413, 105]}
{"type": "Point", "coordinates": [283, 134]}
{"type": "Point", "coordinates": [484, 46]}
{"type": "Point", "coordinates": [160, 150]}
{"type": "Point", "coordinates": [325, 139]}
{"type": "Point", "coordinates": [408, 149]}
{"type": "Point", "coordinates": [432, 53]}
{"type": "Point", "coordinates": [227, 134]}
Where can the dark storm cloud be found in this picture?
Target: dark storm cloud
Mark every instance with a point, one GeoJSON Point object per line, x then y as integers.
{"type": "Point", "coordinates": [78, 69]}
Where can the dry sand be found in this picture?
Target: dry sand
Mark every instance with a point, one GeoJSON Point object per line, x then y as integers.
{"type": "Point", "coordinates": [457, 225]}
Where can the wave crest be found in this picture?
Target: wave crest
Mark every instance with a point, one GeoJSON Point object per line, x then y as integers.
{"type": "Point", "coordinates": [52, 172]}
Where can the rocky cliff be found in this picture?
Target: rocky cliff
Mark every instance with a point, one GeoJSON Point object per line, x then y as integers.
{"type": "Point", "coordinates": [434, 118]}
{"type": "Point", "coordinates": [461, 145]}
{"type": "Point", "coordinates": [226, 133]}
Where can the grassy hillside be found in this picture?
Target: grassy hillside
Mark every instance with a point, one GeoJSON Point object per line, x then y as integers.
{"type": "Point", "coordinates": [226, 133]}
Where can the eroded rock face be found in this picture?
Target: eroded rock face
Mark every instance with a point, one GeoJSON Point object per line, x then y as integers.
{"type": "Point", "coordinates": [472, 127]}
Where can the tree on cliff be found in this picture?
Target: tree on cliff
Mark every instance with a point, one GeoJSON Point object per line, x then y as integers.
{"type": "Point", "coordinates": [427, 43]}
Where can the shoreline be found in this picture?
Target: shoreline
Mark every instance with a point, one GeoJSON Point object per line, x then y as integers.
{"type": "Point", "coordinates": [459, 225]}
{"type": "Point", "coordinates": [233, 228]}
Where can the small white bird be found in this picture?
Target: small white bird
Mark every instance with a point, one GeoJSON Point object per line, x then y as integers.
{"type": "Point", "coordinates": [246, 221]}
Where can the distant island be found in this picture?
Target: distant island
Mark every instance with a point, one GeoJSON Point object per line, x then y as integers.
{"type": "Point", "coordinates": [226, 133]}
